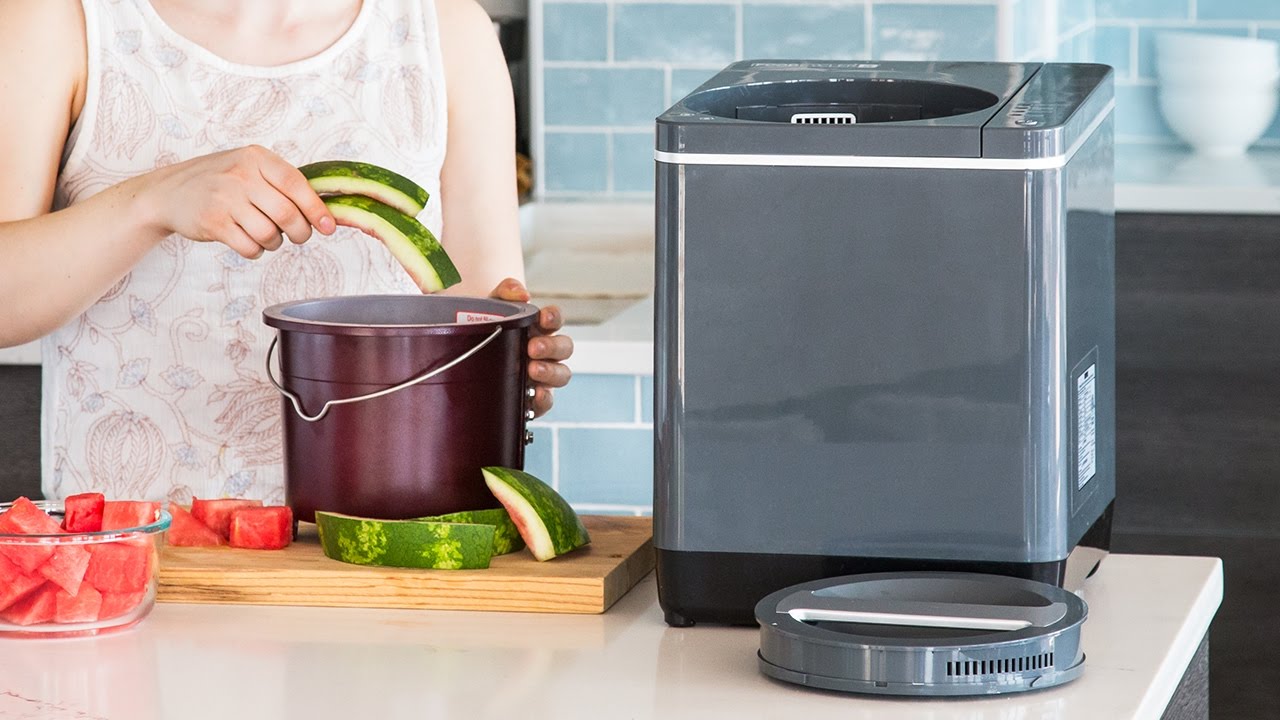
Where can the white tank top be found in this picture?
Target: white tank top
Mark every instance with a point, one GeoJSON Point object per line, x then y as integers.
{"type": "Point", "coordinates": [159, 389]}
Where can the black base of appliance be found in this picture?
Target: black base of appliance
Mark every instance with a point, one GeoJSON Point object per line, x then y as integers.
{"type": "Point", "coordinates": [723, 588]}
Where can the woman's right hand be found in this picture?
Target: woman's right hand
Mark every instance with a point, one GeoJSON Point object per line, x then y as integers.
{"type": "Point", "coordinates": [243, 198]}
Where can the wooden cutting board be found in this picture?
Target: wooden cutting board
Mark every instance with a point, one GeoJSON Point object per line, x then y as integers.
{"type": "Point", "coordinates": [587, 580]}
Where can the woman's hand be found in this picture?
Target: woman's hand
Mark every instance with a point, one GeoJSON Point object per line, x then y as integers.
{"type": "Point", "coordinates": [244, 198]}
{"type": "Point", "coordinates": [547, 351]}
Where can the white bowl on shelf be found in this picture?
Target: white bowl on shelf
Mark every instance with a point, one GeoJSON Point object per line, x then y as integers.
{"type": "Point", "coordinates": [1210, 77]}
{"type": "Point", "coordinates": [1217, 50]}
{"type": "Point", "coordinates": [1218, 121]}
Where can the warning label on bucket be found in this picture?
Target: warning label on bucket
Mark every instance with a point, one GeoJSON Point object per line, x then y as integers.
{"type": "Point", "coordinates": [465, 317]}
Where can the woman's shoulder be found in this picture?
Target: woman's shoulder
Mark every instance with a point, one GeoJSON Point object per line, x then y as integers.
{"type": "Point", "coordinates": [462, 21]}
{"type": "Point", "coordinates": [46, 38]}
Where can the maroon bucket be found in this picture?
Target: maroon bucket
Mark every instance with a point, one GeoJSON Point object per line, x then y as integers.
{"type": "Point", "coordinates": [393, 403]}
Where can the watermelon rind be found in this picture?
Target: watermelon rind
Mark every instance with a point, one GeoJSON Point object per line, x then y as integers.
{"type": "Point", "coordinates": [546, 521]}
{"type": "Point", "coordinates": [506, 538]}
{"type": "Point", "coordinates": [408, 240]}
{"type": "Point", "coordinates": [405, 543]}
{"type": "Point", "coordinates": [348, 177]}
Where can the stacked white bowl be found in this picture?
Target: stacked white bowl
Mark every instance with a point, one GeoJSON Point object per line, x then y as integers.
{"type": "Point", "coordinates": [1217, 92]}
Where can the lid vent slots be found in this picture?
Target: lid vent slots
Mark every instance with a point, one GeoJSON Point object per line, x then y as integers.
{"type": "Point", "coordinates": [821, 118]}
{"type": "Point", "coordinates": [971, 668]}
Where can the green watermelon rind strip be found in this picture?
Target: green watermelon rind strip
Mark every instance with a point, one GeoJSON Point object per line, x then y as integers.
{"type": "Point", "coordinates": [507, 536]}
{"type": "Point", "coordinates": [412, 244]}
{"type": "Point", "coordinates": [405, 543]}
{"type": "Point", "coordinates": [349, 177]}
{"type": "Point", "coordinates": [547, 522]}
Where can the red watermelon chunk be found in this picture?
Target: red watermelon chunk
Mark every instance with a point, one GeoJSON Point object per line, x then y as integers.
{"type": "Point", "coordinates": [126, 514]}
{"type": "Point", "coordinates": [83, 512]}
{"type": "Point", "coordinates": [120, 567]}
{"type": "Point", "coordinates": [67, 566]}
{"type": "Point", "coordinates": [262, 528]}
{"type": "Point", "coordinates": [37, 607]}
{"type": "Point", "coordinates": [78, 607]}
{"type": "Point", "coordinates": [217, 513]}
{"type": "Point", "coordinates": [186, 531]}
{"type": "Point", "coordinates": [117, 604]}
{"type": "Point", "coordinates": [14, 583]}
{"type": "Point", "coordinates": [24, 518]}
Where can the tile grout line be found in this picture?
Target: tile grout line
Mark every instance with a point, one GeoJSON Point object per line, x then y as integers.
{"type": "Point", "coordinates": [1192, 10]}
{"type": "Point", "coordinates": [738, 11]}
{"type": "Point", "coordinates": [610, 25]}
{"type": "Point", "coordinates": [1133, 53]}
{"type": "Point", "coordinates": [608, 162]}
{"type": "Point", "coordinates": [595, 425]}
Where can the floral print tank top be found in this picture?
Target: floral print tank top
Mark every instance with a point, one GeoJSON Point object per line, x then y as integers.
{"type": "Point", "coordinates": [159, 389]}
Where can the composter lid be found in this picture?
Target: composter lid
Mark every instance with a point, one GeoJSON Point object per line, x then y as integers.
{"type": "Point", "coordinates": [922, 633]}
{"type": "Point", "coordinates": [778, 108]}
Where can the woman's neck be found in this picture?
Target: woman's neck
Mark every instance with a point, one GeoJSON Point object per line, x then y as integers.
{"type": "Point", "coordinates": [258, 32]}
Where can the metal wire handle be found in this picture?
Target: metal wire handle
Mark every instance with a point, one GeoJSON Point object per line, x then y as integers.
{"type": "Point", "coordinates": [297, 404]}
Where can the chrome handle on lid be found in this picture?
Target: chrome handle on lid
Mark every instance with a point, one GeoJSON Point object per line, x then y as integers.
{"type": "Point", "coordinates": [806, 606]}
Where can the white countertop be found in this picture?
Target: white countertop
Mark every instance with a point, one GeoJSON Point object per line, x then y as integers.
{"type": "Point", "coordinates": [1172, 179]}
{"type": "Point", "coordinates": [1147, 617]}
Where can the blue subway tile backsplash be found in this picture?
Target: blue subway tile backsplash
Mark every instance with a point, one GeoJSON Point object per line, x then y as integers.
{"type": "Point", "coordinates": [596, 398]}
{"type": "Point", "coordinates": [1137, 114]}
{"type": "Point", "coordinates": [1114, 46]}
{"type": "Point", "coordinates": [814, 32]}
{"type": "Point", "coordinates": [575, 31]}
{"type": "Point", "coordinates": [933, 32]}
{"type": "Point", "coordinates": [1262, 10]}
{"type": "Point", "coordinates": [1146, 9]}
{"type": "Point", "coordinates": [577, 161]}
{"type": "Point", "coordinates": [622, 96]}
{"type": "Point", "coordinates": [633, 162]}
{"type": "Point", "coordinates": [685, 81]}
{"type": "Point", "coordinates": [606, 466]}
{"type": "Point", "coordinates": [675, 32]}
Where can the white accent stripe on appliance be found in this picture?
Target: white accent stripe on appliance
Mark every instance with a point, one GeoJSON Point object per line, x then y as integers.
{"type": "Point", "coordinates": [946, 163]}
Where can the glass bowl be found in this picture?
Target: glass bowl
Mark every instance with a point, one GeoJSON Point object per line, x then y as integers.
{"type": "Point", "coordinates": [117, 571]}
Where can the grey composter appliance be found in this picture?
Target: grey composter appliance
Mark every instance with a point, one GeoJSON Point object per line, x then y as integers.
{"type": "Point", "coordinates": [884, 332]}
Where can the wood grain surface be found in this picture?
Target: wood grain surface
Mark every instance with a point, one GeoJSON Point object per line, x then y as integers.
{"type": "Point", "coordinates": [588, 580]}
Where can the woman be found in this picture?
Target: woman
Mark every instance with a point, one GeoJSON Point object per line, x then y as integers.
{"type": "Point", "coordinates": [149, 149]}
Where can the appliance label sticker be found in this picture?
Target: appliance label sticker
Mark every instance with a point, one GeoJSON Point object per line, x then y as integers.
{"type": "Point", "coordinates": [1086, 421]}
{"type": "Point", "coordinates": [465, 317]}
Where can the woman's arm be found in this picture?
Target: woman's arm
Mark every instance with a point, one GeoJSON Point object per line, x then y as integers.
{"type": "Point", "coordinates": [55, 265]}
{"type": "Point", "coordinates": [478, 181]}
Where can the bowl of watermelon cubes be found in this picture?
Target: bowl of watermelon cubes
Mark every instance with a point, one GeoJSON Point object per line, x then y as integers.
{"type": "Point", "coordinates": [83, 566]}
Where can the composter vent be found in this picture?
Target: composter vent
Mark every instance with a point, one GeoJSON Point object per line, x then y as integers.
{"type": "Point", "coordinates": [965, 668]}
{"type": "Point", "coordinates": [814, 118]}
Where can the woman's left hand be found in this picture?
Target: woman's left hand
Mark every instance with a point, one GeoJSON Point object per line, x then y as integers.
{"type": "Point", "coordinates": [547, 350]}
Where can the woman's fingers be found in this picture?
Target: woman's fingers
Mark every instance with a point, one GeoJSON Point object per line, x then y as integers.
{"type": "Point", "coordinates": [234, 237]}
{"type": "Point", "coordinates": [550, 320]}
{"type": "Point", "coordinates": [286, 179]}
{"type": "Point", "coordinates": [551, 347]}
{"type": "Point", "coordinates": [281, 211]}
{"type": "Point", "coordinates": [542, 401]}
{"type": "Point", "coordinates": [258, 226]}
{"type": "Point", "coordinates": [552, 374]}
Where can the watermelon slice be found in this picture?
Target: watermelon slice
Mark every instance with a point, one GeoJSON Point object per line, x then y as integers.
{"type": "Point", "coordinates": [345, 177]}
{"type": "Point", "coordinates": [14, 583]}
{"type": "Point", "coordinates": [186, 531]}
{"type": "Point", "coordinates": [506, 538]}
{"type": "Point", "coordinates": [117, 604]}
{"type": "Point", "coordinates": [24, 518]}
{"type": "Point", "coordinates": [77, 607]}
{"type": "Point", "coordinates": [119, 567]}
{"type": "Point", "coordinates": [409, 241]}
{"type": "Point", "coordinates": [262, 528]}
{"type": "Point", "coordinates": [83, 512]}
{"type": "Point", "coordinates": [37, 607]}
{"type": "Point", "coordinates": [129, 514]}
{"type": "Point", "coordinates": [216, 514]}
{"type": "Point", "coordinates": [546, 522]}
{"type": "Point", "coordinates": [66, 567]}
{"type": "Point", "coordinates": [405, 543]}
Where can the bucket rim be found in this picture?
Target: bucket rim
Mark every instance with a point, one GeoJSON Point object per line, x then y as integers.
{"type": "Point", "coordinates": [276, 316]}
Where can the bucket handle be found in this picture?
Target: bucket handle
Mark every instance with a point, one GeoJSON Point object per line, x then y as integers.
{"type": "Point", "coordinates": [297, 403]}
